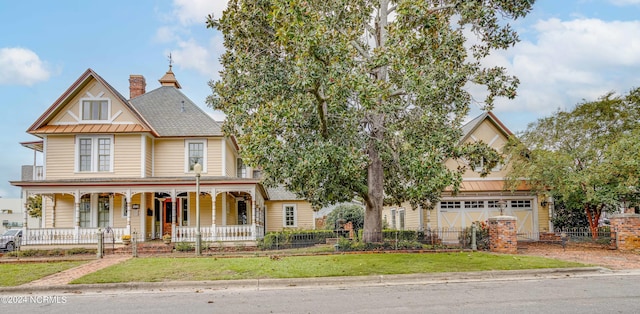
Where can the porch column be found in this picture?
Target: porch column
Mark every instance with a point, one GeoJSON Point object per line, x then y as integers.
{"type": "Point", "coordinates": [213, 208]}
{"type": "Point", "coordinates": [77, 215]}
{"type": "Point", "coordinates": [25, 215]}
{"type": "Point", "coordinates": [173, 214]}
{"type": "Point", "coordinates": [142, 213]}
{"type": "Point", "coordinates": [128, 197]}
{"type": "Point", "coordinates": [224, 209]}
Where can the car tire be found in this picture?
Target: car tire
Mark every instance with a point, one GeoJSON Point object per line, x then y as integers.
{"type": "Point", "coordinates": [10, 247]}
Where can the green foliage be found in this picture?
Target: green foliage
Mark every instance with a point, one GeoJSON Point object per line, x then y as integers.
{"type": "Point", "coordinates": [482, 236]}
{"type": "Point", "coordinates": [587, 157]}
{"type": "Point", "coordinates": [568, 214]}
{"type": "Point", "coordinates": [80, 250]}
{"type": "Point", "coordinates": [184, 247]}
{"type": "Point", "coordinates": [349, 212]}
{"type": "Point", "coordinates": [34, 206]}
{"type": "Point", "coordinates": [294, 238]}
{"type": "Point", "coordinates": [342, 99]}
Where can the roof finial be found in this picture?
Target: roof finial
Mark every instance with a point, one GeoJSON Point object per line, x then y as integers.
{"type": "Point", "coordinates": [170, 61]}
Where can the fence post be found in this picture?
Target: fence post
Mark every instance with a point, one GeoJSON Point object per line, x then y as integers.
{"type": "Point", "coordinates": [134, 244]}
{"type": "Point", "coordinates": [474, 245]}
{"type": "Point", "coordinates": [100, 250]}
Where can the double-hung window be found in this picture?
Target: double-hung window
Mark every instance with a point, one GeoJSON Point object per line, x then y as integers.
{"type": "Point", "coordinates": [196, 152]}
{"type": "Point", "coordinates": [289, 216]}
{"type": "Point", "coordinates": [94, 153]}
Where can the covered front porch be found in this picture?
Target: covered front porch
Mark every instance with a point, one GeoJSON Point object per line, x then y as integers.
{"type": "Point", "coordinates": [229, 211]}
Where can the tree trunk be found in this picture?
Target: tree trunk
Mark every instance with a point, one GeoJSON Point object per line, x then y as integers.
{"type": "Point", "coordinates": [593, 217]}
{"type": "Point", "coordinates": [375, 196]}
{"type": "Point", "coordinates": [375, 173]}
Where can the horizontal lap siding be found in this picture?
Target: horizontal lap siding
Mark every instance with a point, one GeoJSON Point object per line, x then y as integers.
{"type": "Point", "coordinates": [127, 156]}
{"type": "Point", "coordinates": [64, 211]}
{"type": "Point", "coordinates": [214, 157]}
{"type": "Point", "coordinates": [275, 210]}
{"type": "Point", "coordinates": [60, 157]}
{"type": "Point", "coordinates": [169, 158]}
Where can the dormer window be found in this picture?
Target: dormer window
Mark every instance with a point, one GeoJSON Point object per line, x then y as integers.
{"type": "Point", "coordinates": [95, 110]}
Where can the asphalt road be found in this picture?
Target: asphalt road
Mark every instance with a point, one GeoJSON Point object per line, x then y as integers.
{"type": "Point", "coordinates": [600, 293]}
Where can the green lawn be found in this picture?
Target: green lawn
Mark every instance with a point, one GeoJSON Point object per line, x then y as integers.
{"type": "Point", "coordinates": [158, 269]}
{"type": "Point", "coordinates": [14, 274]}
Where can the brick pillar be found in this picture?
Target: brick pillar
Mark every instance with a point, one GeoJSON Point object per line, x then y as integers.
{"type": "Point", "coordinates": [627, 229]}
{"type": "Point", "coordinates": [137, 85]}
{"type": "Point", "coordinates": [503, 236]}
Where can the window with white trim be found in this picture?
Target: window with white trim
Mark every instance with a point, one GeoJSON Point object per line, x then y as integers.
{"type": "Point", "coordinates": [521, 204]}
{"type": "Point", "coordinates": [196, 152]}
{"type": "Point", "coordinates": [103, 210]}
{"type": "Point", "coordinates": [94, 153]}
{"type": "Point", "coordinates": [473, 204]}
{"type": "Point", "coordinates": [393, 218]}
{"type": "Point", "coordinates": [401, 215]}
{"type": "Point", "coordinates": [450, 204]}
{"type": "Point", "coordinates": [95, 110]}
{"type": "Point", "coordinates": [85, 211]}
{"type": "Point", "coordinates": [289, 215]}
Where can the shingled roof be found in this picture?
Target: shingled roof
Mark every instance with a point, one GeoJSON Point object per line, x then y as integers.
{"type": "Point", "coordinates": [171, 113]}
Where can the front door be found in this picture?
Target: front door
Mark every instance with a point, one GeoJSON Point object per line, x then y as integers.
{"type": "Point", "coordinates": [167, 216]}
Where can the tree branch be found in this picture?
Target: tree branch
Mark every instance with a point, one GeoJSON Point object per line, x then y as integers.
{"type": "Point", "coordinates": [322, 110]}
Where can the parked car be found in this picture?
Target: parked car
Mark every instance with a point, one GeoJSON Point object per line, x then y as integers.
{"type": "Point", "coordinates": [10, 239]}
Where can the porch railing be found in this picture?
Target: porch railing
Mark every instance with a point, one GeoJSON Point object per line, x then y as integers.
{"type": "Point", "coordinates": [46, 236]}
{"type": "Point", "coordinates": [219, 233]}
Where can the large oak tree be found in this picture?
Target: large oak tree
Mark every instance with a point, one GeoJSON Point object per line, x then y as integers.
{"type": "Point", "coordinates": [347, 99]}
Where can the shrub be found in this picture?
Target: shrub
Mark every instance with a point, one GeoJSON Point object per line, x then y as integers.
{"type": "Point", "coordinates": [184, 247]}
{"type": "Point", "coordinates": [482, 236]}
{"type": "Point", "coordinates": [294, 238]}
{"type": "Point", "coordinates": [80, 250]}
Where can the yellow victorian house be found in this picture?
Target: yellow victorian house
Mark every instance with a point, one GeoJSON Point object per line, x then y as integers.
{"type": "Point", "coordinates": [126, 166]}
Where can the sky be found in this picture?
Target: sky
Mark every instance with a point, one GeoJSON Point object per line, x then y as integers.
{"type": "Point", "coordinates": [570, 51]}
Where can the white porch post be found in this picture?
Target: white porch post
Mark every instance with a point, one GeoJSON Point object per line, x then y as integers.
{"type": "Point", "coordinates": [224, 209]}
{"type": "Point", "coordinates": [77, 215]}
{"type": "Point", "coordinates": [43, 206]}
{"type": "Point", "coordinates": [213, 208]}
{"type": "Point", "coordinates": [142, 213]}
{"type": "Point", "coordinates": [128, 196]}
{"type": "Point", "coordinates": [25, 215]}
{"type": "Point", "coordinates": [254, 229]}
{"type": "Point", "coordinates": [173, 215]}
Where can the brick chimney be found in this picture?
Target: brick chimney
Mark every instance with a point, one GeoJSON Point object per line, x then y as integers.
{"type": "Point", "coordinates": [137, 85]}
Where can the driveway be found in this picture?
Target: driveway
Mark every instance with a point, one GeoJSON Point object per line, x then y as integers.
{"type": "Point", "coordinates": [584, 253]}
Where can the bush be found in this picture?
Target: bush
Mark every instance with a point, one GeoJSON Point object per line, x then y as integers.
{"type": "Point", "coordinates": [294, 238]}
{"type": "Point", "coordinates": [349, 212]}
{"type": "Point", "coordinates": [482, 236]}
{"type": "Point", "coordinates": [80, 250]}
{"type": "Point", "coordinates": [184, 247]}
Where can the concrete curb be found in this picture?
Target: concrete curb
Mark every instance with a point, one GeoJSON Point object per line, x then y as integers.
{"type": "Point", "coordinates": [318, 282]}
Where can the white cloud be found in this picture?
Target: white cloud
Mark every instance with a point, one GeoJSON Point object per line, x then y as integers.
{"type": "Point", "coordinates": [196, 11]}
{"type": "Point", "coordinates": [570, 61]}
{"type": "Point", "coordinates": [19, 66]}
{"type": "Point", "coordinates": [625, 2]}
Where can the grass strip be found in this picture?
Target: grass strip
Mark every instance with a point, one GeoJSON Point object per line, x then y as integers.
{"type": "Point", "coordinates": [158, 269]}
{"type": "Point", "coordinates": [15, 274]}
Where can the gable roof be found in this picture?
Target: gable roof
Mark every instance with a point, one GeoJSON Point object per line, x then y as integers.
{"type": "Point", "coordinates": [40, 125]}
{"type": "Point", "coordinates": [472, 125]}
{"type": "Point", "coordinates": [170, 113]}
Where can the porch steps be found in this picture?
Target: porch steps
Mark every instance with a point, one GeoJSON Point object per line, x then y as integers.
{"type": "Point", "coordinates": [145, 249]}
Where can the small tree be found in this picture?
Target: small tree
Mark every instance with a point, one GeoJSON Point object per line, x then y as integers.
{"type": "Point", "coordinates": [34, 206]}
{"type": "Point", "coordinates": [350, 213]}
{"type": "Point", "coordinates": [586, 156]}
